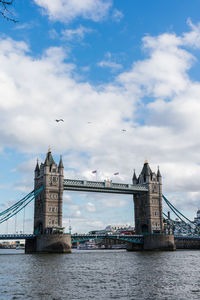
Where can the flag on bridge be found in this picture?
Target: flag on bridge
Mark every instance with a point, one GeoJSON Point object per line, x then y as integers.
{"type": "Point", "coordinates": [117, 173]}
{"type": "Point", "coordinates": [95, 171]}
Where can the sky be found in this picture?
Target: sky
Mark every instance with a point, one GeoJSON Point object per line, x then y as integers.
{"type": "Point", "coordinates": [102, 66]}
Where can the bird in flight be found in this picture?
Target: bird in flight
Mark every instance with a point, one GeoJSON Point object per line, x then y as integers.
{"type": "Point", "coordinates": [59, 120]}
{"type": "Point", "coordinates": [123, 130]}
{"type": "Point", "coordinates": [89, 122]}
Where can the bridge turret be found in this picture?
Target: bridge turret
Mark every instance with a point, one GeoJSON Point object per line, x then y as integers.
{"type": "Point", "coordinates": [146, 173]}
{"type": "Point", "coordinates": [148, 206]}
{"type": "Point", "coordinates": [48, 204]}
{"type": "Point", "coordinates": [60, 166]}
{"type": "Point", "coordinates": [37, 169]}
{"type": "Point", "coordinates": [134, 179]}
{"type": "Point", "coordinates": [159, 177]}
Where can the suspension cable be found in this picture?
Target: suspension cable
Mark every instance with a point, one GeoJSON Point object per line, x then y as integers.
{"type": "Point", "coordinates": [17, 207]}
{"type": "Point", "coordinates": [167, 201]}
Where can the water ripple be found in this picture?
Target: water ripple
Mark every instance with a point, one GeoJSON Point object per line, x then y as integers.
{"type": "Point", "coordinates": [101, 275]}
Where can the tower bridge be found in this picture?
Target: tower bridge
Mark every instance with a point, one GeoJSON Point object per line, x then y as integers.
{"type": "Point", "coordinates": [49, 185]}
{"type": "Point", "coordinates": [146, 190]}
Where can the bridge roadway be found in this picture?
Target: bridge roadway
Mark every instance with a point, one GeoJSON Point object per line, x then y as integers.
{"type": "Point", "coordinates": [20, 236]}
{"type": "Point", "coordinates": [106, 186]}
{"type": "Point", "coordinates": [138, 239]}
{"type": "Point", "coordinates": [182, 242]}
{"type": "Point", "coordinates": [79, 237]}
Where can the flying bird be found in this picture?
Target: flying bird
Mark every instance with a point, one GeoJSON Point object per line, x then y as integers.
{"type": "Point", "coordinates": [59, 120]}
{"type": "Point", "coordinates": [123, 130]}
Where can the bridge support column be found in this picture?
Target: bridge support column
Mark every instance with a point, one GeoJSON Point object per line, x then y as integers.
{"type": "Point", "coordinates": [148, 212]}
{"type": "Point", "coordinates": [49, 243]}
{"type": "Point", "coordinates": [48, 210]}
{"type": "Point", "coordinates": [159, 242]}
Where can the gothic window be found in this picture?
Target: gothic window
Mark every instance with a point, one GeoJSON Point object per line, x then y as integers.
{"type": "Point", "coordinates": [154, 188]}
{"type": "Point", "coordinates": [55, 179]}
{"type": "Point", "coordinates": [144, 178]}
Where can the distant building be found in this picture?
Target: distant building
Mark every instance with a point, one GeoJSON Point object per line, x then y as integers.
{"type": "Point", "coordinates": [115, 229]}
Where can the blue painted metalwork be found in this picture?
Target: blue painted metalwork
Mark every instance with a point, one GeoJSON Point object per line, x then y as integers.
{"type": "Point", "coordinates": [137, 239]}
{"type": "Point", "coordinates": [16, 236]}
{"type": "Point", "coordinates": [183, 228]}
{"type": "Point", "coordinates": [175, 210]}
{"type": "Point", "coordinates": [18, 206]}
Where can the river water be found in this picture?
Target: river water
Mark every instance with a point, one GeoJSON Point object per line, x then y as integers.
{"type": "Point", "coordinates": [100, 274]}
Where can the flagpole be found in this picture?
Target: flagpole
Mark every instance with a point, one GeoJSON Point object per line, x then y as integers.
{"type": "Point", "coordinates": [116, 173]}
{"type": "Point", "coordinates": [95, 172]}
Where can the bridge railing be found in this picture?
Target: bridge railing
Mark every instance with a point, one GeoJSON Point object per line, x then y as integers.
{"type": "Point", "coordinates": [16, 236]}
{"type": "Point", "coordinates": [138, 239]}
{"type": "Point", "coordinates": [107, 184]}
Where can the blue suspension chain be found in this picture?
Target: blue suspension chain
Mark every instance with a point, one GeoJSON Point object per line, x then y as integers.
{"type": "Point", "coordinates": [177, 212]}
{"type": "Point", "coordinates": [167, 201]}
{"type": "Point", "coordinates": [175, 223]}
{"type": "Point", "coordinates": [17, 207]}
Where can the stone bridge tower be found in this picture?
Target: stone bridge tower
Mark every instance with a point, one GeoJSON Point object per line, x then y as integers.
{"type": "Point", "coordinates": [149, 214]}
{"type": "Point", "coordinates": [48, 204]}
{"type": "Point", "coordinates": [48, 230]}
{"type": "Point", "coordinates": [148, 206]}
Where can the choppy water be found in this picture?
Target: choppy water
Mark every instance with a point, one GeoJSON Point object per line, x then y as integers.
{"type": "Point", "coordinates": [100, 274]}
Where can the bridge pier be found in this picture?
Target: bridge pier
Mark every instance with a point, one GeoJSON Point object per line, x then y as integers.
{"type": "Point", "coordinates": [148, 212]}
{"type": "Point", "coordinates": [161, 242]}
{"type": "Point", "coordinates": [49, 243]}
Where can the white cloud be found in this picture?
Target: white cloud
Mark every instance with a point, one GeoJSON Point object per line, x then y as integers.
{"type": "Point", "coordinates": [109, 64]}
{"type": "Point", "coordinates": [90, 207]}
{"type": "Point", "coordinates": [192, 38]}
{"type": "Point", "coordinates": [94, 224]}
{"type": "Point", "coordinates": [67, 199]}
{"type": "Point", "coordinates": [117, 15]}
{"type": "Point", "coordinates": [53, 34]}
{"type": "Point", "coordinates": [164, 73]}
{"type": "Point", "coordinates": [67, 10]}
{"type": "Point", "coordinates": [77, 34]}
{"type": "Point", "coordinates": [113, 202]}
{"type": "Point", "coordinates": [158, 89]}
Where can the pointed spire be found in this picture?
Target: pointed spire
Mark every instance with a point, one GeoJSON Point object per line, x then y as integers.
{"type": "Point", "coordinates": [37, 169]}
{"type": "Point", "coordinates": [60, 163]}
{"type": "Point", "coordinates": [158, 173]}
{"type": "Point", "coordinates": [49, 159]}
{"type": "Point", "coordinates": [146, 169]}
{"type": "Point", "coordinates": [134, 178]}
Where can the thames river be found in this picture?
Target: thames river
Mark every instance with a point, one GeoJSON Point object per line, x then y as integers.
{"type": "Point", "coordinates": [100, 274]}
